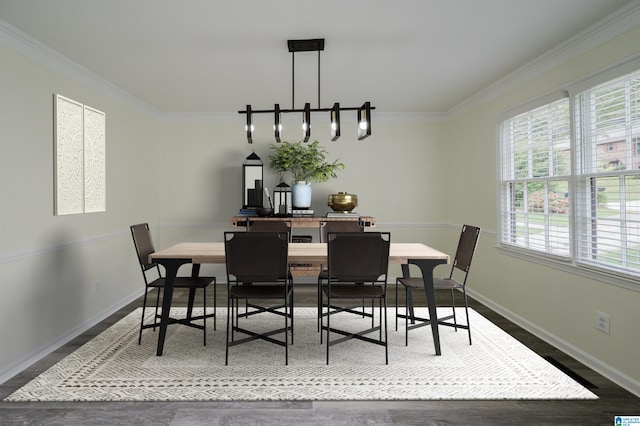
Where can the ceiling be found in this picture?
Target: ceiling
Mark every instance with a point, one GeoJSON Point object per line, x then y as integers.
{"type": "Point", "coordinates": [204, 56]}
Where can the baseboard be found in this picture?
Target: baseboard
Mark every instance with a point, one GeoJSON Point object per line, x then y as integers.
{"type": "Point", "coordinates": [60, 341]}
{"type": "Point", "coordinates": [619, 378]}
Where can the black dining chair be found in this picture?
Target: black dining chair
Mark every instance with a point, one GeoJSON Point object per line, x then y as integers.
{"type": "Point", "coordinates": [154, 279]}
{"type": "Point", "coordinates": [461, 265]}
{"type": "Point", "coordinates": [327, 226]}
{"type": "Point", "coordinates": [357, 269]}
{"type": "Point", "coordinates": [258, 272]}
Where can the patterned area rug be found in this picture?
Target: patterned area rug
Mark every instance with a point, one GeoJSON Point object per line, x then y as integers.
{"type": "Point", "coordinates": [113, 367]}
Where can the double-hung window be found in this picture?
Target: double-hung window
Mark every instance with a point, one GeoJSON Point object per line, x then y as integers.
{"type": "Point", "coordinates": [608, 180]}
{"type": "Point", "coordinates": [570, 177]}
{"type": "Point", "coordinates": [536, 160]}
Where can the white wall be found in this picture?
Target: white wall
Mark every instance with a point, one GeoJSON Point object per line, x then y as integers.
{"type": "Point", "coordinates": [556, 305]}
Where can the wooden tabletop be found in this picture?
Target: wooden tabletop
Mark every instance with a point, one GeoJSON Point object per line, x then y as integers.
{"type": "Point", "coordinates": [309, 253]}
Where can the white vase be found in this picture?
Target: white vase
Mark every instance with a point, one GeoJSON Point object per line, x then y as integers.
{"type": "Point", "coordinates": [301, 194]}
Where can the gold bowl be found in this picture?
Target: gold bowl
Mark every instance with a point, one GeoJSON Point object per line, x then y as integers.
{"type": "Point", "coordinates": [342, 202]}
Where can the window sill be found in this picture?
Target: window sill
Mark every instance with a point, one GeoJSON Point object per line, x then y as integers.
{"type": "Point", "coordinates": [628, 282]}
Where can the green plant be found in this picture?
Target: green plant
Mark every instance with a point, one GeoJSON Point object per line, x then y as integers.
{"type": "Point", "coordinates": [306, 162]}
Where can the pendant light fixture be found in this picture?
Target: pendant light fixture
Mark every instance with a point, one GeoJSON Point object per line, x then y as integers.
{"type": "Point", "coordinates": [363, 112]}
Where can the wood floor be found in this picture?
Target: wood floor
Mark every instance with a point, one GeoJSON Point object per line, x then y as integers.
{"type": "Point", "coordinates": [613, 399]}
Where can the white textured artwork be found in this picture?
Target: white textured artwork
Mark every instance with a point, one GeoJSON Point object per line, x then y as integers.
{"type": "Point", "coordinates": [94, 161]}
{"type": "Point", "coordinates": [80, 140]}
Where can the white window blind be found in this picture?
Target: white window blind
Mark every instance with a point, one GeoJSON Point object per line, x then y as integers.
{"type": "Point", "coordinates": [536, 167]}
{"type": "Point", "coordinates": [608, 175]}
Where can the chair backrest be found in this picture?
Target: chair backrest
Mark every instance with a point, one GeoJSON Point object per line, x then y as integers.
{"type": "Point", "coordinates": [143, 244]}
{"type": "Point", "coordinates": [270, 226]}
{"type": "Point", "coordinates": [256, 256]}
{"type": "Point", "coordinates": [466, 248]}
{"type": "Point", "coordinates": [358, 256]}
{"type": "Point", "coordinates": [327, 226]}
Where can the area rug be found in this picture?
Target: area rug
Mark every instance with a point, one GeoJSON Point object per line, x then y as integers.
{"type": "Point", "coordinates": [113, 367]}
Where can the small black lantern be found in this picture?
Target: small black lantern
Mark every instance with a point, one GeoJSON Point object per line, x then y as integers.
{"type": "Point", "coordinates": [252, 177]}
{"type": "Point", "coordinates": [282, 199]}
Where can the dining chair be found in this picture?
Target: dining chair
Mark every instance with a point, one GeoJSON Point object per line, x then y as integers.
{"type": "Point", "coordinates": [154, 279]}
{"type": "Point", "coordinates": [258, 271]}
{"type": "Point", "coordinates": [327, 226]}
{"type": "Point", "coordinates": [356, 258]}
{"type": "Point", "coordinates": [270, 226]}
{"type": "Point", "coordinates": [461, 265]}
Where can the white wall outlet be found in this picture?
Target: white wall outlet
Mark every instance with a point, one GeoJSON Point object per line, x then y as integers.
{"type": "Point", "coordinates": [602, 322]}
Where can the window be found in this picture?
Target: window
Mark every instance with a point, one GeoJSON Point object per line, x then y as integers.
{"type": "Point", "coordinates": [536, 166]}
{"type": "Point", "coordinates": [608, 189]}
{"type": "Point", "coordinates": [576, 198]}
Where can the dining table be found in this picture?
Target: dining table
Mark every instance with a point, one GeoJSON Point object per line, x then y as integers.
{"type": "Point", "coordinates": [172, 258]}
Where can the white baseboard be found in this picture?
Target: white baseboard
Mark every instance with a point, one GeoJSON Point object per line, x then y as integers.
{"type": "Point", "coordinates": [60, 341]}
{"type": "Point", "coordinates": [621, 379]}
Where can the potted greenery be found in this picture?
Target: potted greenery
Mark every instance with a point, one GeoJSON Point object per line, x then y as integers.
{"type": "Point", "coordinates": [306, 163]}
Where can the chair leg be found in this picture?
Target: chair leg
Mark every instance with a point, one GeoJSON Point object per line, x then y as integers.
{"type": "Point", "coordinates": [466, 310]}
{"type": "Point", "coordinates": [328, 325]}
{"type": "Point", "coordinates": [319, 309]}
{"type": "Point", "coordinates": [229, 320]}
{"type": "Point", "coordinates": [215, 305]}
{"type": "Point", "coordinates": [144, 307]}
{"type": "Point", "coordinates": [397, 304]}
{"type": "Point", "coordinates": [453, 306]}
{"type": "Point", "coordinates": [157, 307]}
{"type": "Point", "coordinates": [287, 307]}
{"type": "Point", "coordinates": [406, 317]}
{"type": "Point", "coordinates": [386, 336]}
{"type": "Point", "coordinates": [291, 311]}
{"type": "Point", "coordinates": [204, 314]}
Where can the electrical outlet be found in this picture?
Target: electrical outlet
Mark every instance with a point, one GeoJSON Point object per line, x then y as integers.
{"type": "Point", "coordinates": [602, 322]}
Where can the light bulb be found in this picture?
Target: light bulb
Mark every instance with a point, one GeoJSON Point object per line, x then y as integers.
{"type": "Point", "coordinates": [363, 125]}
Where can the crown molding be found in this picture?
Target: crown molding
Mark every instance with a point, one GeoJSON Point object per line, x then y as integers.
{"type": "Point", "coordinates": [25, 45]}
{"type": "Point", "coordinates": [606, 29]}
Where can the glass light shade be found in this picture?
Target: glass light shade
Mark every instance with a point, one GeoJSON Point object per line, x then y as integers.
{"type": "Point", "coordinates": [335, 121]}
{"type": "Point", "coordinates": [364, 121]}
{"type": "Point", "coordinates": [249, 126]}
{"type": "Point", "coordinates": [306, 122]}
{"type": "Point", "coordinates": [277, 126]}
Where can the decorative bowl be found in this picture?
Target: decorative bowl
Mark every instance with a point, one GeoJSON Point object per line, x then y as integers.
{"type": "Point", "coordinates": [264, 211]}
{"type": "Point", "coordinates": [342, 202]}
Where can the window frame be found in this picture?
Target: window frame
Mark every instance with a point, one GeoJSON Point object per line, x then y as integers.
{"type": "Point", "coordinates": [624, 278]}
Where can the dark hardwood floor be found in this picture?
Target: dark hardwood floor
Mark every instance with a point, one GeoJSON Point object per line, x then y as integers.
{"type": "Point", "coordinates": [613, 399]}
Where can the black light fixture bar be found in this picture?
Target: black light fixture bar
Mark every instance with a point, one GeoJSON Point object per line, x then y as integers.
{"type": "Point", "coordinates": [285, 111]}
{"type": "Point", "coordinates": [364, 111]}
